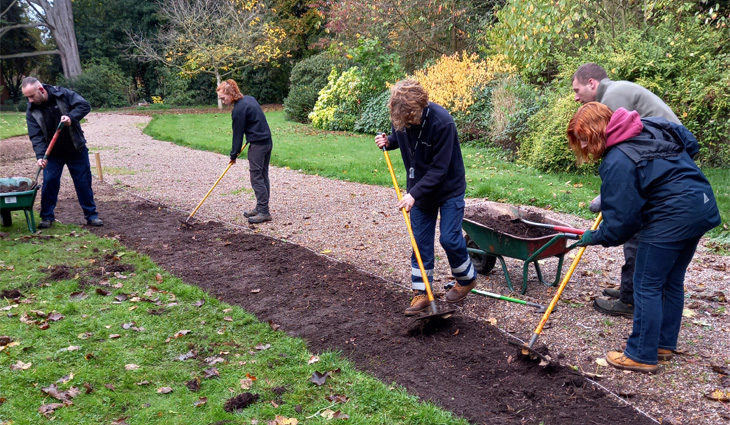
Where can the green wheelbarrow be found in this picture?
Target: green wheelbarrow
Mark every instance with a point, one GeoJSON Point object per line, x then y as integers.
{"type": "Point", "coordinates": [18, 193]}
{"type": "Point", "coordinates": [487, 245]}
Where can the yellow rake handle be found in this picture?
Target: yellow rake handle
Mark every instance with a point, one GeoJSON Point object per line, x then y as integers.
{"type": "Point", "coordinates": [559, 292]}
{"type": "Point", "coordinates": [416, 252]}
{"type": "Point", "coordinates": [214, 185]}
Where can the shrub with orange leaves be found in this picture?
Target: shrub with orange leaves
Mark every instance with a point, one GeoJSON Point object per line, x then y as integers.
{"type": "Point", "coordinates": [452, 80]}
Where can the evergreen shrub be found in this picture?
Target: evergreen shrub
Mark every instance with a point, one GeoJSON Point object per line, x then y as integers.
{"type": "Point", "coordinates": [307, 78]}
{"type": "Point", "coordinates": [102, 84]}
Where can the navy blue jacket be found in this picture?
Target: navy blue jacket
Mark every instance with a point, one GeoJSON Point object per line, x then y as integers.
{"type": "Point", "coordinates": [249, 119]}
{"type": "Point", "coordinates": [651, 185]}
{"type": "Point", "coordinates": [435, 157]}
{"type": "Point", "coordinates": [71, 104]}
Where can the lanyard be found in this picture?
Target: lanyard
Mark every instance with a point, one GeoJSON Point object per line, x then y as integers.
{"type": "Point", "coordinates": [412, 152]}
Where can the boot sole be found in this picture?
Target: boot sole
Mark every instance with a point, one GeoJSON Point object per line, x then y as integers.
{"type": "Point", "coordinates": [611, 312]}
{"type": "Point", "coordinates": [633, 368]}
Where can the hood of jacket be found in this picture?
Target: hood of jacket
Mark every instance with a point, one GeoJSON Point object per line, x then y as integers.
{"type": "Point", "coordinates": [622, 126]}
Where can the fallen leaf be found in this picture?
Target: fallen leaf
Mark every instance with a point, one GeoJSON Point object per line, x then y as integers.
{"type": "Point", "coordinates": [228, 318]}
{"type": "Point", "coordinates": [255, 291]}
{"type": "Point", "coordinates": [102, 292]}
{"type": "Point", "coordinates": [338, 398]}
{"type": "Point", "coordinates": [326, 251]}
{"type": "Point", "coordinates": [48, 409]}
{"type": "Point", "coordinates": [64, 396]}
{"type": "Point", "coordinates": [164, 390]}
{"type": "Point", "coordinates": [72, 348]}
{"type": "Point", "coordinates": [283, 420]}
{"type": "Point", "coordinates": [178, 334]}
{"type": "Point", "coordinates": [719, 395]}
{"type": "Point", "coordinates": [602, 362]}
{"type": "Point", "coordinates": [246, 384]}
{"type": "Point", "coordinates": [19, 365]}
{"type": "Point", "coordinates": [80, 295]}
{"type": "Point", "coordinates": [55, 317]}
{"type": "Point", "coordinates": [114, 336]}
{"type": "Point", "coordinates": [131, 366]}
{"type": "Point", "coordinates": [65, 379]}
{"type": "Point", "coordinates": [688, 313]}
{"type": "Point", "coordinates": [262, 347]}
{"type": "Point", "coordinates": [189, 355]}
{"type": "Point", "coordinates": [201, 401]}
{"type": "Point", "coordinates": [492, 321]}
{"type": "Point", "coordinates": [211, 373]}
{"type": "Point", "coordinates": [313, 359]}
{"type": "Point", "coordinates": [193, 384]}
{"type": "Point", "coordinates": [142, 383]}
{"type": "Point", "coordinates": [199, 303]}
{"type": "Point", "coordinates": [319, 378]}
{"type": "Point", "coordinates": [158, 277]}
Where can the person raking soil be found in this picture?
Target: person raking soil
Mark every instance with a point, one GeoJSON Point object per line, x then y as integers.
{"type": "Point", "coordinates": [651, 186]}
{"type": "Point", "coordinates": [248, 119]}
{"type": "Point", "coordinates": [426, 135]}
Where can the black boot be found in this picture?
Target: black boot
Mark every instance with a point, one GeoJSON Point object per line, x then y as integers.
{"type": "Point", "coordinates": [613, 307]}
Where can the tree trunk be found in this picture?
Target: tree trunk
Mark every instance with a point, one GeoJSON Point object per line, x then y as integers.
{"type": "Point", "coordinates": [218, 83]}
{"type": "Point", "coordinates": [60, 20]}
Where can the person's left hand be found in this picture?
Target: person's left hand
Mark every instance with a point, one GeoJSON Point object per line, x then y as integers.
{"type": "Point", "coordinates": [66, 120]}
{"type": "Point", "coordinates": [586, 239]}
{"type": "Point", "coordinates": [406, 202]}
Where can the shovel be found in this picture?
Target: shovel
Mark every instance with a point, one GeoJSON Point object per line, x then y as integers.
{"type": "Point", "coordinates": [527, 349]}
{"type": "Point", "coordinates": [433, 310]}
{"type": "Point", "coordinates": [214, 185]}
{"type": "Point", "coordinates": [539, 307]}
{"type": "Point", "coordinates": [48, 152]}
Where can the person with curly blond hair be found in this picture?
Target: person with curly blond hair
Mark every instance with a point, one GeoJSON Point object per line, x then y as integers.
{"type": "Point", "coordinates": [249, 120]}
{"type": "Point", "coordinates": [651, 186]}
{"type": "Point", "coordinates": [426, 135]}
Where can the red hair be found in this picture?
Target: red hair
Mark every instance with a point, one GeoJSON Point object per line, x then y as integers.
{"type": "Point", "coordinates": [588, 126]}
{"type": "Point", "coordinates": [230, 88]}
{"type": "Point", "coordinates": [407, 101]}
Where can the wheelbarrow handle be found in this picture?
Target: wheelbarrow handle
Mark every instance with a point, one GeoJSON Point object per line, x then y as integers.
{"type": "Point", "coordinates": [563, 229]}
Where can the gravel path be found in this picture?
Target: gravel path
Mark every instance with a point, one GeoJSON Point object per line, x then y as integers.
{"type": "Point", "coordinates": [359, 224]}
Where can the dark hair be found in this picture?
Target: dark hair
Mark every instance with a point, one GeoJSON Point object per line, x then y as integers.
{"type": "Point", "coordinates": [407, 101]}
{"type": "Point", "coordinates": [588, 71]}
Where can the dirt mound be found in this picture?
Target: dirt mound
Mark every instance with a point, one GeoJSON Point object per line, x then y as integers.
{"type": "Point", "coordinates": [507, 224]}
{"type": "Point", "coordinates": [11, 294]}
{"type": "Point", "coordinates": [240, 401]}
{"type": "Point", "coordinates": [465, 366]}
{"type": "Point", "coordinates": [22, 187]}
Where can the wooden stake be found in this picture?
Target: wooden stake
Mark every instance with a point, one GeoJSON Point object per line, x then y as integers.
{"type": "Point", "coordinates": [98, 166]}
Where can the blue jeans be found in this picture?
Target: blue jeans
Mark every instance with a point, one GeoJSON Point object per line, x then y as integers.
{"type": "Point", "coordinates": [80, 169]}
{"type": "Point", "coordinates": [423, 222]}
{"type": "Point", "coordinates": [658, 297]}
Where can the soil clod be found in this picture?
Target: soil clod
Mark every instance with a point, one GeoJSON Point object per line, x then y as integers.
{"type": "Point", "coordinates": [240, 402]}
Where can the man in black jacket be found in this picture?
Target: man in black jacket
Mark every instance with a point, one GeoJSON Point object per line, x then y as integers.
{"type": "Point", "coordinates": [249, 120]}
{"type": "Point", "coordinates": [47, 107]}
{"type": "Point", "coordinates": [426, 135]}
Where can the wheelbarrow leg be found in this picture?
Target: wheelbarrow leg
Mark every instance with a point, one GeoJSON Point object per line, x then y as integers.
{"type": "Point", "coordinates": [30, 220]}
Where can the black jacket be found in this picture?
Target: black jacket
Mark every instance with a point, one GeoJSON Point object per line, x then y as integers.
{"type": "Point", "coordinates": [249, 119]}
{"type": "Point", "coordinates": [70, 103]}
{"type": "Point", "coordinates": [435, 157]}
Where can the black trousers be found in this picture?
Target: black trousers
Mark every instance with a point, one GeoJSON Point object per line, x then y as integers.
{"type": "Point", "coordinates": [259, 156]}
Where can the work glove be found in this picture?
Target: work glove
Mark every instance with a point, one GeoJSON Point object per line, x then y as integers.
{"type": "Point", "coordinates": [586, 239]}
{"type": "Point", "coordinates": [595, 205]}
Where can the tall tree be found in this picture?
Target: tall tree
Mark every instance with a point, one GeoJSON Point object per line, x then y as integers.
{"type": "Point", "coordinates": [57, 17]}
{"type": "Point", "coordinates": [18, 37]}
{"type": "Point", "coordinates": [211, 36]}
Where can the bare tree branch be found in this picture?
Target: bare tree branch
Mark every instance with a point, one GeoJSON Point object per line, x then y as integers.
{"type": "Point", "coordinates": [30, 54]}
{"type": "Point", "coordinates": [7, 8]}
{"type": "Point", "coordinates": [5, 29]}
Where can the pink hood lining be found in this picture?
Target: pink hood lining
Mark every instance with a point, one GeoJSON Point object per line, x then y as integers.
{"type": "Point", "coordinates": [623, 125]}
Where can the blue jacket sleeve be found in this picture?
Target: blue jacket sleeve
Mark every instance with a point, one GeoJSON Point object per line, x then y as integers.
{"type": "Point", "coordinates": [621, 201]}
{"type": "Point", "coordinates": [443, 144]}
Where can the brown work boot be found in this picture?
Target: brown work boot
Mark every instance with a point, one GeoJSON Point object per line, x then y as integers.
{"type": "Point", "coordinates": [419, 304]}
{"type": "Point", "coordinates": [620, 361]}
{"type": "Point", "coordinates": [458, 292]}
{"type": "Point", "coordinates": [665, 354]}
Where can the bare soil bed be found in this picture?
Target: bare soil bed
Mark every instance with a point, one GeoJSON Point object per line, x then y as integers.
{"type": "Point", "coordinates": [462, 364]}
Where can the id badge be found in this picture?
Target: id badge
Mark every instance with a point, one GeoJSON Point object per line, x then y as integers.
{"type": "Point", "coordinates": [411, 173]}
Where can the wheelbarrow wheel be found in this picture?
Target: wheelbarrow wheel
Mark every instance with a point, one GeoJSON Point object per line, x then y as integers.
{"type": "Point", "coordinates": [7, 219]}
{"type": "Point", "coordinates": [483, 263]}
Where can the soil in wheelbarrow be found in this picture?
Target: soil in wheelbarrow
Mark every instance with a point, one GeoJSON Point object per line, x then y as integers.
{"type": "Point", "coordinates": [22, 187]}
{"type": "Point", "coordinates": [464, 365]}
{"type": "Point", "coordinates": [506, 224]}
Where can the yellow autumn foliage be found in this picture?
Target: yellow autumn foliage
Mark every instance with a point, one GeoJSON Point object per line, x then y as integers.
{"type": "Point", "coordinates": [451, 81]}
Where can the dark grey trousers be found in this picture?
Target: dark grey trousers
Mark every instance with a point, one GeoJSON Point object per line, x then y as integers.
{"type": "Point", "coordinates": [627, 270]}
{"type": "Point", "coordinates": [259, 155]}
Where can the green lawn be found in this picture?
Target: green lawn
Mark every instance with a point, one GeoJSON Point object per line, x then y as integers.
{"type": "Point", "coordinates": [112, 344]}
{"type": "Point", "coordinates": [12, 124]}
{"type": "Point", "coordinates": [354, 157]}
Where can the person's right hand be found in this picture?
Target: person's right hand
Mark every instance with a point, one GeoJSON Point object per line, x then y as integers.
{"type": "Point", "coordinates": [381, 140]}
{"type": "Point", "coordinates": [42, 163]}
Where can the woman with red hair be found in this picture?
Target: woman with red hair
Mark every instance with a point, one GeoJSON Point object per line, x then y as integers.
{"type": "Point", "coordinates": [650, 186]}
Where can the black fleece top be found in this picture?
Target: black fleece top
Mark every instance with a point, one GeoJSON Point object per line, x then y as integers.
{"type": "Point", "coordinates": [438, 168]}
{"type": "Point", "coordinates": [249, 119]}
